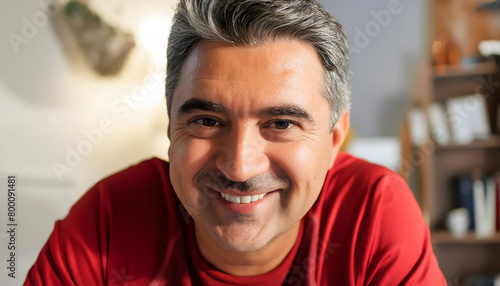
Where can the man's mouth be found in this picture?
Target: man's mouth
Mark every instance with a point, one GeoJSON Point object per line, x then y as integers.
{"type": "Point", "coordinates": [242, 199]}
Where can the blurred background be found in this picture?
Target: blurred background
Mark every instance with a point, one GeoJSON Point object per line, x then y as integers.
{"type": "Point", "coordinates": [82, 97]}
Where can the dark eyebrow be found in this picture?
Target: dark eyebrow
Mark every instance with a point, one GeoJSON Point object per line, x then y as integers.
{"type": "Point", "coordinates": [288, 110]}
{"type": "Point", "coordinates": [200, 104]}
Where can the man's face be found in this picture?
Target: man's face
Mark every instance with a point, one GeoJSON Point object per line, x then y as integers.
{"type": "Point", "coordinates": [250, 140]}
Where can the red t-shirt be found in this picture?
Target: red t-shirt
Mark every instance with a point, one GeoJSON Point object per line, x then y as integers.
{"type": "Point", "coordinates": [365, 229]}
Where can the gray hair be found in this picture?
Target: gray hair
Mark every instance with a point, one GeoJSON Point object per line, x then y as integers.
{"type": "Point", "coordinates": [253, 22]}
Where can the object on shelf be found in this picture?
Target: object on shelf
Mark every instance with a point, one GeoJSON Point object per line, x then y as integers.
{"type": "Point", "coordinates": [478, 194]}
{"type": "Point", "coordinates": [468, 118]}
{"type": "Point", "coordinates": [445, 53]}
{"type": "Point", "coordinates": [498, 119]}
{"type": "Point", "coordinates": [497, 178]}
{"type": "Point", "coordinates": [488, 48]}
{"type": "Point", "coordinates": [465, 197]}
{"type": "Point", "coordinates": [419, 134]}
{"type": "Point", "coordinates": [105, 47]}
{"type": "Point", "coordinates": [458, 222]}
{"type": "Point", "coordinates": [439, 54]}
{"type": "Point", "coordinates": [478, 116]}
{"type": "Point", "coordinates": [484, 205]}
{"type": "Point", "coordinates": [439, 124]}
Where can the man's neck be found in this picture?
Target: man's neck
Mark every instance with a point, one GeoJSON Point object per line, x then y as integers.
{"type": "Point", "coordinates": [254, 263]}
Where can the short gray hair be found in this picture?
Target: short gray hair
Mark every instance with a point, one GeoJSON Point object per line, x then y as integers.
{"type": "Point", "coordinates": [253, 22]}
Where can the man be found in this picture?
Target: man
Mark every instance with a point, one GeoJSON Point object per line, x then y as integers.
{"type": "Point", "coordinates": [255, 192]}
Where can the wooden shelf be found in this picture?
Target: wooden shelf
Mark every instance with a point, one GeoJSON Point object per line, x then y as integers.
{"type": "Point", "coordinates": [461, 81]}
{"type": "Point", "coordinates": [465, 71]}
{"type": "Point", "coordinates": [488, 143]}
{"type": "Point", "coordinates": [445, 237]}
{"type": "Point", "coordinates": [434, 167]}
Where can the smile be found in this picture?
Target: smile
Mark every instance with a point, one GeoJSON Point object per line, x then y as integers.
{"type": "Point", "coordinates": [242, 199]}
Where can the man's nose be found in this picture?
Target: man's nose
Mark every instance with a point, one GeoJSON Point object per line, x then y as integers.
{"type": "Point", "coordinates": [242, 154]}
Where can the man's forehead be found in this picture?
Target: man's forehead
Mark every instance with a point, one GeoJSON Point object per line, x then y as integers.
{"type": "Point", "coordinates": [283, 77]}
{"type": "Point", "coordinates": [282, 58]}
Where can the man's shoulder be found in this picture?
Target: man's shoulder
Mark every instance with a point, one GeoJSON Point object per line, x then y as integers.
{"type": "Point", "coordinates": [349, 167]}
{"type": "Point", "coordinates": [355, 179]}
{"type": "Point", "coordinates": [153, 171]}
{"type": "Point", "coordinates": [137, 195]}
{"type": "Point", "coordinates": [145, 182]}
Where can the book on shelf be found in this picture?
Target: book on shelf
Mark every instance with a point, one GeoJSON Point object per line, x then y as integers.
{"type": "Point", "coordinates": [438, 124]}
{"type": "Point", "coordinates": [485, 206]}
{"type": "Point", "coordinates": [497, 178]}
{"type": "Point", "coordinates": [418, 126]}
{"type": "Point", "coordinates": [465, 197]}
{"type": "Point", "coordinates": [498, 119]}
{"type": "Point", "coordinates": [479, 195]}
{"type": "Point", "coordinates": [482, 280]}
{"type": "Point", "coordinates": [476, 104]}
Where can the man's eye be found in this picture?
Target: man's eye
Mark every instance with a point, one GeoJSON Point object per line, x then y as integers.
{"type": "Point", "coordinates": [282, 124]}
{"type": "Point", "coordinates": [207, 122]}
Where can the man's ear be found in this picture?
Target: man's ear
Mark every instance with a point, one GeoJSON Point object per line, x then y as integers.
{"type": "Point", "coordinates": [169, 139]}
{"type": "Point", "coordinates": [168, 130]}
{"type": "Point", "coordinates": [339, 134]}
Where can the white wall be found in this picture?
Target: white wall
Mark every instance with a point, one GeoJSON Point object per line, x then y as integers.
{"type": "Point", "coordinates": [48, 104]}
{"type": "Point", "coordinates": [383, 64]}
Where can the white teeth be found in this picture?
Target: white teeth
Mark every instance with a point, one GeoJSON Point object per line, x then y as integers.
{"type": "Point", "coordinates": [242, 199]}
{"type": "Point", "coordinates": [234, 199]}
{"type": "Point", "coordinates": [245, 199]}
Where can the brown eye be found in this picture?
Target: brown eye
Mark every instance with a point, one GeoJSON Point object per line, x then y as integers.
{"type": "Point", "coordinates": [209, 122]}
{"type": "Point", "coordinates": [282, 124]}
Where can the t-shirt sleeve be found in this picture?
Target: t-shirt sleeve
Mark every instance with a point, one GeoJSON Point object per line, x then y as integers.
{"type": "Point", "coordinates": [73, 254]}
{"type": "Point", "coordinates": [401, 252]}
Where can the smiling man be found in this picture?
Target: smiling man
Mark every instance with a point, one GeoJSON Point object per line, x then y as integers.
{"type": "Point", "coordinates": [255, 191]}
{"type": "Point", "coordinates": [250, 134]}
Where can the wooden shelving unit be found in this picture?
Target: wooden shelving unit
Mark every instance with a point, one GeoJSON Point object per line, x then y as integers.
{"type": "Point", "coordinates": [492, 142]}
{"type": "Point", "coordinates": [446, 238]}
{"type": "Point", "coordinates": [453, 72]}
{"type": "Point", "coordinates": [434, 173]}
{"type": "Point", "coordinates": [433, 167]}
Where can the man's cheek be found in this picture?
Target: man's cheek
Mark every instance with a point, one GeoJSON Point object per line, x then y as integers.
{"type": "Point", "coordinates": [295, 160]}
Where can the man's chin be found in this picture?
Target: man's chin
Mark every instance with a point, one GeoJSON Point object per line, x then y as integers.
{"type": "Point", "coordinates": [241, 241]}
{"type": "Point", "coordinates": [240, 247]}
